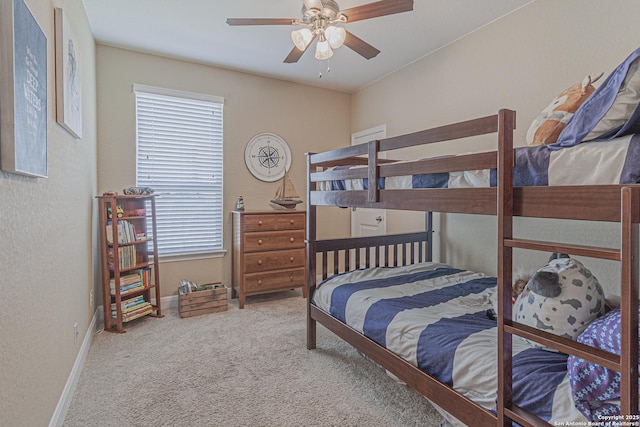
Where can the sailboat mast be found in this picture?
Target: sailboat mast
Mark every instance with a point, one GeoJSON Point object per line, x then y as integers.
{"type": "Point", "coordinates": [284, 184]}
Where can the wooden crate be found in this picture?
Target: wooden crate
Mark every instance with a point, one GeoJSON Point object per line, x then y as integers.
{"type": "Point", "coordinates": [203, 302]}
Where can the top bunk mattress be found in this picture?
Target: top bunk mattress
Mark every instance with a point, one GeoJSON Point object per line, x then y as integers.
{"type": "Point", "coordinates": [615, 161]}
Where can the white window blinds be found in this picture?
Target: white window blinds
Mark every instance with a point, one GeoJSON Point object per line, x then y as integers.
{"type": "Point", "coordinates": [179, 153]}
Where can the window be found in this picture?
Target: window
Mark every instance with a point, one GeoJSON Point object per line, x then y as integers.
{"type": "Point", "coordinates": [179, 154]}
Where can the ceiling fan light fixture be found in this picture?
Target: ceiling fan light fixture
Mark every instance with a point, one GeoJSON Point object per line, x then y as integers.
{"type": "Point", "coordinates": [323, 49]}
{"type": "Point", "coordinates": [301, 38]}
{"type": "Point", "coordinates": [335, 36]}
{"type": "Point", "coordinates": [324, 21]}
{"type": "Point", "coordinates": [315, 5]}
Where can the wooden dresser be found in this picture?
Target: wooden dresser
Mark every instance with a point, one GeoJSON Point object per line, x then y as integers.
{"type": "Point", "coordinates": [268, 252]}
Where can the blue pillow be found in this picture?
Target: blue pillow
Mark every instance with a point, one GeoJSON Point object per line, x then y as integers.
{"type": "Point", "coordinates": [613, 110]}
{"type": "Point", "coordinates": [596, 388]}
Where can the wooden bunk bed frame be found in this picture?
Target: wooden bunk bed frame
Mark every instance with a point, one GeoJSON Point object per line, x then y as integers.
{"type": "Point", "coordinates": [611, 203]}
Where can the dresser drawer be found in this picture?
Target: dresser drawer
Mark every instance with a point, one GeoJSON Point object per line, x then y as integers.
{"type": "Point", "coordinates": [266, 261]}
{"type": "Point", "coordinates": [282, 279]}
{"type": "Point", "coordinates": [268, 241]}
{"type": "Point", "coordinates": [291, 222]}
{"type": "Point", "coordinates": [259, 222]}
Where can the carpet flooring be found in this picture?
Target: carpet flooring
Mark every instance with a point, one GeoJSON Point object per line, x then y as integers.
{"type": "Point", "coordinates": [245, 367]}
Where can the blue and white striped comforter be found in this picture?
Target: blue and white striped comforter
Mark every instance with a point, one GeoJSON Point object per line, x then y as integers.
{"type": "Point", "coordinates": [434, 316]}
{"type": "Point", "coordinates": [616, 161]}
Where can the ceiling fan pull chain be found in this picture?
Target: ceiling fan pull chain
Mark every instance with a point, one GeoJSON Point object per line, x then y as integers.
{"type": "Point", "coordinates": [320, 68]}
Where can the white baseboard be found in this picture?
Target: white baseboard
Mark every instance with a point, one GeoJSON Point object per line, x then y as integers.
{"type": "Point", "coordinates": [67, 393]}
{"type": "Point", "coordinates": [169, 302]}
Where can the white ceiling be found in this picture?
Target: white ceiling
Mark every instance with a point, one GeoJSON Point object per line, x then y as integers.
{"type": "Point", "coordinates": [196, 30]}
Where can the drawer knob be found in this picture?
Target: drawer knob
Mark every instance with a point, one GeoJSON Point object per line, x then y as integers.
{"type": "Point", "coordinates": [259, 241]}
{"type": "Point", "coordinates": [291, 259]}
{"type": "Point", "coordinates": [290, 221]}
{"type": "Point", "coordinates": [291, 278]}
{"type": "Point", "coordinates": [259, 262]}
{"type": "Point", "coordinates": [292, 240]}
{"type": "Point", "coordinates": [260, 222]}
{"type": "Point", "coordinates": [259, 282]}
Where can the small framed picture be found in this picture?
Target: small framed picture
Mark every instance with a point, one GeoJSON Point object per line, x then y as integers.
{"type": "Point", "coordinates": [68, 77]}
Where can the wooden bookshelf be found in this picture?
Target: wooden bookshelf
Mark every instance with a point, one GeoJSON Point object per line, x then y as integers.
{"type": "Point", "coordinates": [129, 259]}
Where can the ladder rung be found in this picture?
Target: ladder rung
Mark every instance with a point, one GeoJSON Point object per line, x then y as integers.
{"type": "Point", "coordinates": [588, 251]}
{"type": "Point", "coordinates": [564, 345]}
{"type": "Point", "coordinates": [525, 418]}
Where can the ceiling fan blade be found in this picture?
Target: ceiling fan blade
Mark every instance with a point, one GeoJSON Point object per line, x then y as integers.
{"type": "Point", "coordinates": [379, 8]}
{"type": "Point", "coordinates": [295, 54]}
{"type": "Point", "coordinates": [360, 46]}
{"type": "Point", "coordinates": [262, 21]}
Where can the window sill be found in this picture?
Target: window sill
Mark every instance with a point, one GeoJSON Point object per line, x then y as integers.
{"type": "Point", "coordinates": [193, 257]}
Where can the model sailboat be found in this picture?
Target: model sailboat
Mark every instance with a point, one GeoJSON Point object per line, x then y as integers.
{"type": "Point", "coordinates": [286, 196]}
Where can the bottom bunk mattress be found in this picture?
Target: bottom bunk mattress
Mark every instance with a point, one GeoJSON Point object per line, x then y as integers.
{"type": "Point", "coordinates": [434, 316]}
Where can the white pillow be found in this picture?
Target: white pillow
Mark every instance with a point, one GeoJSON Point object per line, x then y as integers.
{"type": "Point", "coordinates": [624, 105]}
{"type": "Point", "coordinates": [613, 110]}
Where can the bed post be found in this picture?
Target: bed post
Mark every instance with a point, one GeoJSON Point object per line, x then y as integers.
{"type": "Point", "coordinates": [506, 121]}
{"type": "Point", "coordinates": [311, 255]}
{"type": "Point", "coordinates": [373, 193]}
{"type": "Point", "coordinates": [630, 206]}
{"type": "Point", "coordinates": [428, 219]}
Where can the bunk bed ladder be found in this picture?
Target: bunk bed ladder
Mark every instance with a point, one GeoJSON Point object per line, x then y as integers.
{"type": "Point", "coordinates": [630, 259]}
{"type": "Point", "coordinates": [506, 122]}
{"type": "Point", "coordinates": [627, 255]}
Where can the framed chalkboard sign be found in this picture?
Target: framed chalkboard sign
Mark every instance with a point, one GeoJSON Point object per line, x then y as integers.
{"type": "Point", "coordinates": [23, 91]}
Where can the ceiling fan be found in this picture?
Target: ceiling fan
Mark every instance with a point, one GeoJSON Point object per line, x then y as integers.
{"type": "Point", "coordinates": [319, 18]}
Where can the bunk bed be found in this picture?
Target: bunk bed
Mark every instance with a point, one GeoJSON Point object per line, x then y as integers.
{"type": "Point", "coordinates": [339, 261]}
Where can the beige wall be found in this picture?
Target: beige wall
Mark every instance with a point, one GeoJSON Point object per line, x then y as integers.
{"type": "Point", "coordinates": [47, 240]}
{"type": "Point", "coordinates": [48, 226]}
{"type": "Point", "coordinates": [307, 118]}
{"type": "Point", "coordinates": [520, 62]}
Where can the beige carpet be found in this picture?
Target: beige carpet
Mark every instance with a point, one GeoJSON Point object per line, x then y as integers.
{"type": "Point", "coordinates": [237, 368]}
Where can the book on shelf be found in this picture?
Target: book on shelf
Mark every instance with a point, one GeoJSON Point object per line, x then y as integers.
{"type": "Point", "coordinates": [127, 256]}
{"type": "Point", "coordinates": [132, 282]}
{"type": "Point", "coordinates": [144, 312]}
{"type": "Point", "coordinates": [131, 316]}
{"type": "Point", "coordinates": [132, 308]}
{"type": "Point", "coordinates": [130, 278]}
{"type": "Point", "coordinates": [130, 313]}
{"type": "Point", "coordinates": [135, 308]}
{"type": "Point", "coordinates": [125, 290]}
{"type": "Point", "coordinates": [126, 232]}
{"type": "Point", "coordinates": [146, 276]}
{"type": "Point", "coordinates": [129, 302]}
{"type": "Point", "coordinates": [142, 309]}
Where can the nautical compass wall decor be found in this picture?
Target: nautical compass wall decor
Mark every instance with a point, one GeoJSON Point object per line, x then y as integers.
{"type": "Point", "coordinates": [267, 156]}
